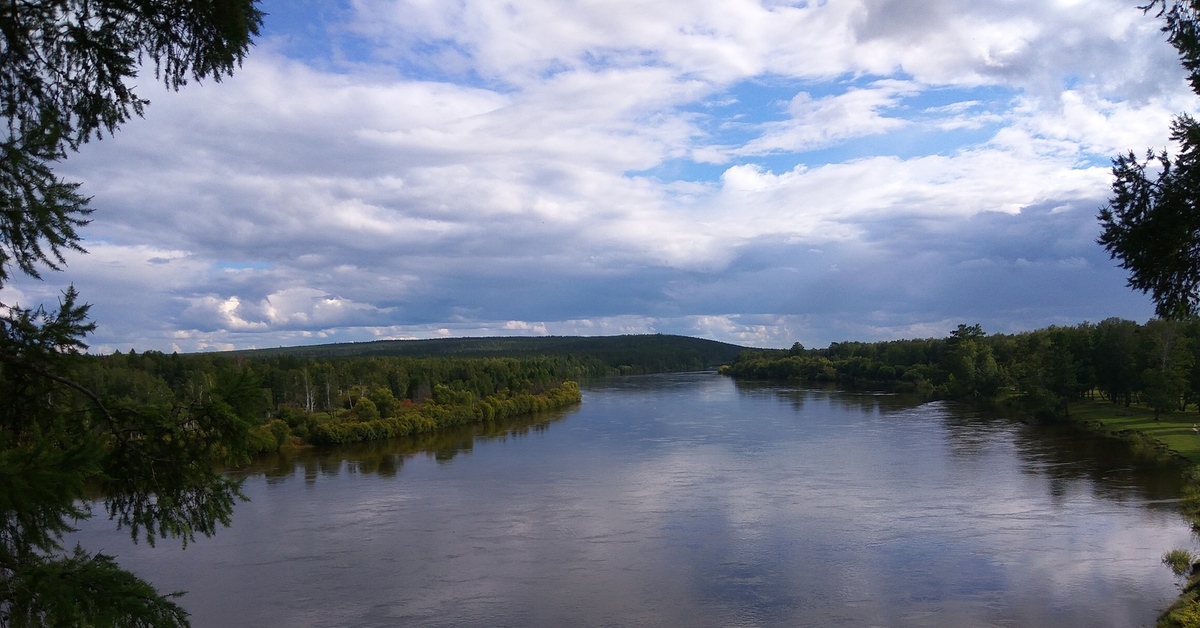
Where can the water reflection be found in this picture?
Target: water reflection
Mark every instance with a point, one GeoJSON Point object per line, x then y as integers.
{"type": "Point", "coordinates": [386, 457]}
{"type": "Point", "coordinates": [868, 401]}
{"type": "Point", "coordinates": [689, 500]}
{"type": "Point", "coordinates": [1062, 453]}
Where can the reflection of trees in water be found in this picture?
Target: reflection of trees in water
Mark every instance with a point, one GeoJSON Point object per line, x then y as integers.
{"type": "Point", "coordinates": [1065, 455]}
{"type": "Point", "coordinates": [1118, 469]}
{"type": "Point", "coordinates": [867, 401]}
{"type": "Point", "coordinates": [386, 457]}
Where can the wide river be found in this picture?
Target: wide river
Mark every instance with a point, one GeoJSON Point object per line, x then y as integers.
{"type": "Point", "coordinates": [691, 500]}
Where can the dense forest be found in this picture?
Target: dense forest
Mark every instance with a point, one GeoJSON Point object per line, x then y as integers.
{"type": "Point", "coordinates": [285, 400]}
{"type": "Point", "coordinates": [1041, 371]}
{"type": "Point", "coordinates": [626, 354]}
{"type": "Point", "coordinates": [336, 394]}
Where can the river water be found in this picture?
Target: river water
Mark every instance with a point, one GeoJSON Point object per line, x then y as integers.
{"type": "Point", "coordinates": [691, 500]}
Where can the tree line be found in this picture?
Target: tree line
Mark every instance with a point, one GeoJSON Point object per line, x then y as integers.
{"type": "Point", "coordinates": [282, 400]}
{"type": "Point", "coordinates": [628, 354]}
{"type": "Point", "coordinates": [1041, 371]}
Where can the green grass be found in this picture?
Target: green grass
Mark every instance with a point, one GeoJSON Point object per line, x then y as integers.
{"type": "Point", "coordinates": [1173, 430]}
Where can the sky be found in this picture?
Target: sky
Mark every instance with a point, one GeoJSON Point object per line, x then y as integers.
{"type": "Point", "coordinates": [758, 172]}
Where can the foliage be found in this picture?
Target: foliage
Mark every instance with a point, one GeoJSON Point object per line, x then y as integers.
{"type": "Point", "coordinates": [285, 400]}
{"type": "Point", "coordinates": [1114, 359]}
{"type": "Point", "coordinates": [1180, 561]}
{"type": "Point", "coordinates": [429, 417]}
{"type": "Point", "coordinates": [67, 70]}
{"type": "Point", "coordinates": [1185, 612]}
{"type": "Point", "coordinates": [1041, 372]}
{"type": "Point", "coordinates": [1152, 225]}
{"type": "Point", "coordinates": [1152, 367]}
{"type": "Point", "coordinates": [629, 354]}
{"type": "Point", "coordinates": [1182, 616]}
{"type": "Point", "coordinates": [1151, 222]}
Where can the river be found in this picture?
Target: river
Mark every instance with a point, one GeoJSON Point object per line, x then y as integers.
{"type": "Point", "coordinates": [692, 500]}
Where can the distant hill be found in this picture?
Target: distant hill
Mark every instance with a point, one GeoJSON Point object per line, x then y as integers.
{"type": "Point", "coordinates": [631, 353]}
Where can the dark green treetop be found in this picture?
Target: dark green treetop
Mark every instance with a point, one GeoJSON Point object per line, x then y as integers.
{"type": "Point", "coordinates": [1152, 223]}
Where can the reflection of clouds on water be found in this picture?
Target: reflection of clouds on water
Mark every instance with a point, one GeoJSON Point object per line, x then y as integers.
{"type": "Point", "coordinates": [892, 547]}
{"type": "Point", "coordinates": [696, 504]}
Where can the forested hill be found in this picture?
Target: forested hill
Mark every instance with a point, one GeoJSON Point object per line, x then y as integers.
{"type": "Point", "coordinates": [647, 353]}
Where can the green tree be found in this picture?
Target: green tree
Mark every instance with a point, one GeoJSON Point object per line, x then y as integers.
{"type": "Point", "coordinates": [1050, 373]}
{"type": "Point", "coordinates": [1152, 222]}
{"type": "Point", "coordinates": [971, 369]}
{"type": "Point", "coordinates": [1114, 354]}
{"type": "Point", "coordinates": [1062, 376]}
{"type": "Point", "coordinates": [67, 68]}
{"type": "Point", "coordinates": [385, 402]}
{"type": "Point", "coordinates": [1167, 360]}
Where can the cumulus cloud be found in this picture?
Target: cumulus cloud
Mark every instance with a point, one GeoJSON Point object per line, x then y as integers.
{"type": "Point", "coordinates": [760, 172]}
{"type": "Point", "coordinates": [286, 309]}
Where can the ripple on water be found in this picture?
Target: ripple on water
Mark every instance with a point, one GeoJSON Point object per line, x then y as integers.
{"type": "Point", "coordinates": [690, 500]}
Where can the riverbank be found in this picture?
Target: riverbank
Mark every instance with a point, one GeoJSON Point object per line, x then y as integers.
{"type": "Point", "coordinates": [770, 498]}
{"type": "Point", "coordinates": [1174, 437]}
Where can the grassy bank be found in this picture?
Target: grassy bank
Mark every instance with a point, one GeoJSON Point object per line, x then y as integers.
{"type": "Point", "coordinates": [1171, 434]}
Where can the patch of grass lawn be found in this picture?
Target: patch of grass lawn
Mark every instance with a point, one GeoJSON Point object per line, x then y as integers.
{"type": "Point", "coordinates": [1174, 430]}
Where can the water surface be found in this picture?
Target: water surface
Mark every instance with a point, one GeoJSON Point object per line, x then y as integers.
{"type": "Point", "coordinates": [689, 500]}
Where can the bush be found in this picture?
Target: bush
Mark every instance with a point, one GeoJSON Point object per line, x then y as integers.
{"type": "Point", "coordinates": [1180, 561]}
{"type": "Point", "coordinates": [430, 416]}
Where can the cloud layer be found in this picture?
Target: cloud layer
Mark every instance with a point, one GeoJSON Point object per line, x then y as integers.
{"type": "Point", "coordinates": [756, 171]}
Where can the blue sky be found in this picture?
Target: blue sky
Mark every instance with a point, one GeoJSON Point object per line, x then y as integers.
{"type": "Point", "coordinates": [760, 172]}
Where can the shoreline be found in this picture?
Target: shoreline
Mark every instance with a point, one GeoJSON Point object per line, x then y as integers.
{"type": "Point", "coordinates": [1172, 438]}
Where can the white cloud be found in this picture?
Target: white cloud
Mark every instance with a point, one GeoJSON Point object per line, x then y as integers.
{"type": "Point", "coordinates": [836, 201]}
{"type": "Point", "coordinates": [289, 308]}
{"type": "Point", "coordinates": [521, 41]}
{"type": "Point", "coordinates": [544, 166]}
{"type": "Point", "coordinates": [1101, 126]}
{"type": "Point", "coordinates": [935, 42]}
{"type": "Point", "coordinates": [819, 123]}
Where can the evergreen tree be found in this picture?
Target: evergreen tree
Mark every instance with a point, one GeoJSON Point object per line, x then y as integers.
{"type": "Point", "coordinates": [66, 71]}
{"type": "Point", "coordinates": [1152, 222]}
